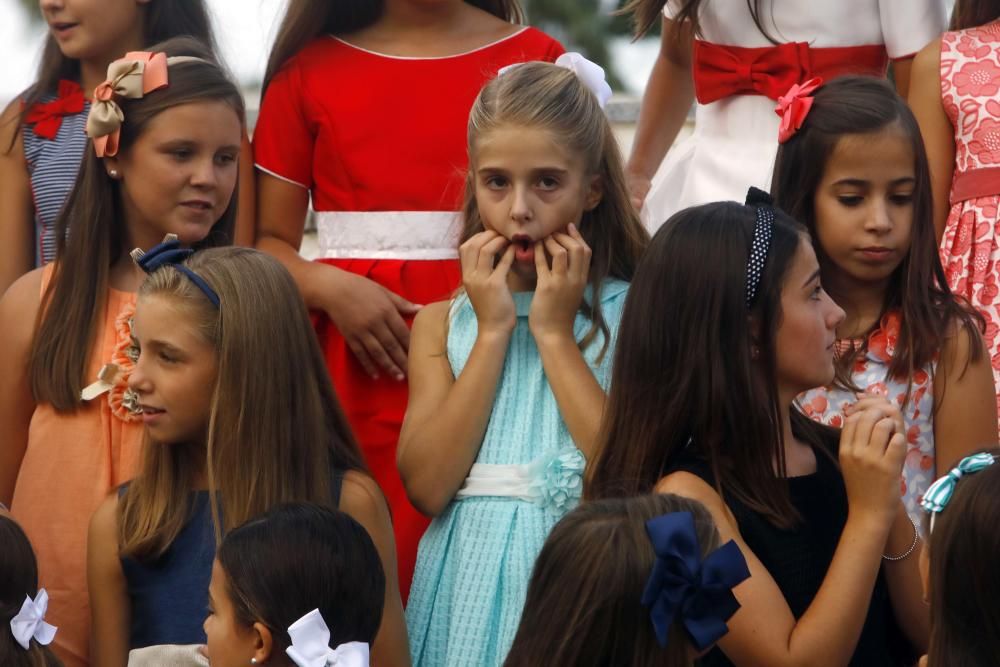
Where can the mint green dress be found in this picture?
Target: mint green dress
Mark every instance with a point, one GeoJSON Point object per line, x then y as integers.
{"type": "Point", "coordinates": [475, 560]}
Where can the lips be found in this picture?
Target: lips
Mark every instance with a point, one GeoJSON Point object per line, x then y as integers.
{"type": "Point", "coordinates": [62, 28]}
{"type": "Point", "coordinates": [197, 204]}
{"type": "Point", "coordinates": [876, 253]}
{"type": "Point", "coordinates": [524, 247]}
{"type": "Point", "coordinates": [150, 410]}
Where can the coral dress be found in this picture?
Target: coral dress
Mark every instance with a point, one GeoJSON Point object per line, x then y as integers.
{"type": "Point", "coordinates": [72, 462]}
{"type": "Point", "coordinates": [738, 74]}
{"type": "Point", "coordinates": [970, 247]}
{"type": "Point", "coordinates": [380, 143]}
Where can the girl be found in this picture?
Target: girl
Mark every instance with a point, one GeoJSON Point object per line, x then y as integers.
{"type": "Point", "coordinates": [22, 603]}
{"type": "Point", "coordinates": [600, 570]}
{"type": "Point", "coordinates": [42, 136]}
{"type": "Point", "coordinates": [296, 560]}
{"type": "Point", "coordinates": [738, 56]}
{"type": "Point", "coordinates": [956, 564]}
{"type": "Point", "coordinates": [72, 427]}
{"type": "Point", "coordinates": [954, 100]}
{"type": "Point", "coordinates": [508, 378]}
{"type": "Point", "coordinates": [856, 175]}
{"type": "Point", "coordinates": [725, 324]}
{"type": "Point", "coordinates": [240, 415]}
{"type": "Point", "coordinates": [381, 169]}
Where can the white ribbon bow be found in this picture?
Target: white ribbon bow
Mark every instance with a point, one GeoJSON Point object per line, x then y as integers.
{"type": "Point", "coordinates": [30, 621]}
{"type": "Point", "coordinates": [311, 645]}
{"type": "Point", "coordinates": [589, 72]}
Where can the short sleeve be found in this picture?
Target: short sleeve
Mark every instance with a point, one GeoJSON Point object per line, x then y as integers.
{"type": "Point", "coordinates": [284, 138]}
{"type": "Point", "coordinates": [910, 25]}
{"type": "Point", "coordinates": [671, 8]}
{"type": "Point", "coordinates": [554, 50]}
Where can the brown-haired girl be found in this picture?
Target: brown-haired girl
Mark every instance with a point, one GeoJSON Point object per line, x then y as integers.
{"type": "Point", "coordinates": [725, 324]}
{"type": "Point", "coordinates": [240, 415]}
{"type": "Point", "coordinates": [42, 137]}
{"type": "Point", "coordinates": [363, 112]}
{"type": "Point", "coordinates": [634, 582]}
{"type": "Point", "coordinates": [168, 125]}
{"type": "Point", "coordinates": [856, 174]}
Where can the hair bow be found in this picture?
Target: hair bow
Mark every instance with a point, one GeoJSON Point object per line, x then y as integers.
{"type": "Point", "coordinates": [30, 621]}
{"type": "Point", "coordinates": [589, 72]}
{"type": "Point", "coordinates": [170, 252]}
{"type": "Point", "coordinates": [311, 645]}
{"type": "Point", "coordinates": [794, 106]}
{"type": "Point", "coordinates": [682, 586]}
{"type": "Point", "coordinates": [47, 117]}
{"type": "Point", "coordinates": [938, 495]}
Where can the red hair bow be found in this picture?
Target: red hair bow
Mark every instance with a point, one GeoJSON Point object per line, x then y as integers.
{"type": "Point", "coordinates": [47, 117]}
{"type": "Point", "coordinates": [794, 106]}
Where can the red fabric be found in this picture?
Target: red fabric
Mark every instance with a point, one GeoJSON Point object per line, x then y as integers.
{"type": "Point", "coordinates": [47, 116]}
{"type": "Point", "coordinates": [367, 132]}
{"type": "Point", "coordinates": [720, 71]}
{"type": "Point", "coordinates": [974, 184]}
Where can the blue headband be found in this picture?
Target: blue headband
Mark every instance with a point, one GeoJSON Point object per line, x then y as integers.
{"type": "Point", "coordinates": [682, 586]}
{"type": "Point", "coordinates": [169, 252]}
{"type": "Point", "coordinates": [761, 240]}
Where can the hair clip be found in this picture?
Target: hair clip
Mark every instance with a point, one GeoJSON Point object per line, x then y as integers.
{"type": "Point", "coordinates": [761, 240]}
{"type": "Point", "coordinates": [938, 494]}
{"type": "Point", "coordinates": [682, 586]}
{"type": "Point", "coordinates": [794, 106]}
{"type": "Point", "coordinates": [311, 645]}
{"type": "Point", "coordinates": [590, 74]}
{"type": "Point", "coordinates": [29, 623]}
{"type": "Point", "coordinates": [170, 253]}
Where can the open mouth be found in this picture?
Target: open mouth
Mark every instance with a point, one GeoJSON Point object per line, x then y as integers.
{"type": "Point", "coordinates": [150, 410]}
{"type": "Point", "coordinates": [197, 205]}
{"type": "Point", "coordinates": [62, 26]}
{"type": "Point", "coordinates": [524, 247]}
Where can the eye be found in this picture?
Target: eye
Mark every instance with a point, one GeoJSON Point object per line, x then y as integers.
{"type": "Point", "coordinates": [167, 358]}
{"type": "Point", "coordinates": [181, 153]}
{"type": "Point", "coordinates": [548, 182]}
{"type": "Point", "coordinates": [850, 201]}
{"type": "Point", "coordinates": [817, 292]}
{"type": "Point", "coordinates": [495, 182]}
{"type": "Point", "coordinates": [226, 158]}
{"type": "Point", "coordinates": [902, 199]}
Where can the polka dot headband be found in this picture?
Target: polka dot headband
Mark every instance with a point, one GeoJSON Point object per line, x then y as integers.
{"type": "Point", "coordinates": [761, 240]}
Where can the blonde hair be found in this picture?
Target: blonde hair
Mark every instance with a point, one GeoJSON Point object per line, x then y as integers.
{"type": "Point", "coordinates": [276, 431]}
{"type": "Point", "coordinates": [553, 98]}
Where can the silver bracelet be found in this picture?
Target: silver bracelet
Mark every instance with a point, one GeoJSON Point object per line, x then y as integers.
{"type": "Point", "coordinates": [916, 538]}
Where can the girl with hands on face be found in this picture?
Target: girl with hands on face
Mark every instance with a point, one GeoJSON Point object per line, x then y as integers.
{"type": "Point", "coordinates": [508, 378]}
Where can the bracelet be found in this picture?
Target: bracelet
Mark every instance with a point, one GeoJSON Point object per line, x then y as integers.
{"type": "Point", "coordinates": [916, 538]}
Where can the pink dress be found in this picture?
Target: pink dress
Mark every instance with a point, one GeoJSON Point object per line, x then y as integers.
{"type": "Point", "coordinates": [970, 248]}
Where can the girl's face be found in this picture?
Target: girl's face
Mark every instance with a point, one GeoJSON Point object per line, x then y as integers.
{"type": "Point", "coordinates": [230, 643]}
{"type": "Point", "coordinates": [95, 29]}
{"type": "Point", "coordinates": [529, 186]}
{"type": "Point", "coordinates": [809, 318]}
{"type": "Point", "coordinates": [864, 208]}
{"type": "Point", "coordinates": [179, 175]}
{"type": "Point", "coordinates": [176, 372]}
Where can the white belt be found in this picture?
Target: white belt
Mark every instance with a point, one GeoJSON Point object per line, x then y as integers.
{"type": "Point", "coordinates": [388, 234]}
{"type": "Point", "coordinates": [554, 480]}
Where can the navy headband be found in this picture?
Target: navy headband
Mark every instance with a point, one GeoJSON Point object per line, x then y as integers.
{"type": "Point", "coordinates": [170, 252]}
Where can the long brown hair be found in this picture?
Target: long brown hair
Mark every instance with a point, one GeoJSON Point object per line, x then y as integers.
{"type": "Point", "coordinates": [276, 430]}
{"type": "Point", "coordinates": [553, 98]}
{"type": "Point", "coordinates": [645, 14]}
{"type": "Point", "coordinates": [974, 13]}
{"type": "Point", "coordinates": [307, 19]}
{"type": "Point", "coordinates": [964, 580]}
{"type": "Point", "coordinates": [853, 105]}
{"type": "Point", "coordinates": [685, 381]}
{"type": "Point", "coordinates": [72, 303]}
{"type": "Point", "coordinates": [590, 575]}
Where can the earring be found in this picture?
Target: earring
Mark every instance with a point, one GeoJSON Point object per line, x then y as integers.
{"type": "Point", "coordinates": [113, 173]}
{"type": "Point", "coordinates": [253, 661]}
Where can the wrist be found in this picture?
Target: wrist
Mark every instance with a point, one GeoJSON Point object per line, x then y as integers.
{"type": "Point", "coordinates": [494, 336]}
{"type": "Point", "coordinates": [546, 337]}
{"type": "Point", "coordinates": [324, 285]}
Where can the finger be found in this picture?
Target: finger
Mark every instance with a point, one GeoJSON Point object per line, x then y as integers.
{"type": "Point", "coordinates": [402, 305]}
{"type": "Point", "coordinates": [579, 253]}
{"type": "Point", "coordinates": [882, 432]}
{"type": "Point", "coordinates": [541, 265]}
{"type": "Point", "coordinates": [378, 353]}
{"type": "Point", "coordinates": [469, 251]}
{"type": "Point", "coordinates": [847, 435]}
{"type": "Point", "coordinates": [399, 331]}
{"type": "Point", "coordinates": [560, 257]}
{"type": "Point", "coordinates": [363, 358]}
{"type": "Point", "coordinates": [387, 337]}
{"type": "Point", "coordinates": [896, 451]}
{"type": "Point", "coordinates": [488, 253]}
{"type": "Point", "coordinates": [865, 426]}
{"type": "Point", "coordinates": [506, 261]}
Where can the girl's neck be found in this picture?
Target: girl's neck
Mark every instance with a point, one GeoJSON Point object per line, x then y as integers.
{"type": "Point", "coordinates": [799, 457]}
{"type": "Point", "coordinates": [862, 303]}
{"type": "Point", "coordinates": [405, 16]}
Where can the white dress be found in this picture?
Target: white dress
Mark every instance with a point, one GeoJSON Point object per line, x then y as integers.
{"type": "Point", "coordinates": [734, 142]}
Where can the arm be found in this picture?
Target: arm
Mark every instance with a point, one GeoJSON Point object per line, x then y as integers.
{"type": "Point", "coordinates": [901, 71]}
{"type": "Point", "coordinates": [17, 240]}
{"type": "Point", "coordinates": [246, 218]}
{"type": "Point", "coordinates": [665, 105]}
{"type": "Point", "coordinates": [363, 501]}
{"type": "Point", "coordinates": [935, 128]}
{"type": "Point", "coordinates": [109, 605]}
{"type": "Point", "coordinates": [18, 311]}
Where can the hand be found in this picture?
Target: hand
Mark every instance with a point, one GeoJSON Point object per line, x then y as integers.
{"type": "Point", "coordinates": [559, 290]}
{"type": "Point", "coordinates": [872, 450]}
{"type": "Point", "coordinates": [866, 400]}
{"type": "Point", "coordinates": [485, 281]}
{"type": "Point", "coordinates": [370, 318]}
{"type": "Point", "coordinates": [638, 188]}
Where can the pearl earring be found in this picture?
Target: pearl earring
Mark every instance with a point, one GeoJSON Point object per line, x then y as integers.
{"type": "Point", "coordinates": [253, 661]}
{"type": "Point", "coordinates": [113, 173]}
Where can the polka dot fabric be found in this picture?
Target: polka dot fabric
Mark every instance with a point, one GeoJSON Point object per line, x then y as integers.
{"type": "Point", "coordinates": [761, 240]}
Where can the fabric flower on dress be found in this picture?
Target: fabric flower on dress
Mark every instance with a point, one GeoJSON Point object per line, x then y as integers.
{"type": "Point", "coordinates": [978, 78]}
{"type": "Point", "coordinates": [123, 401]}
{"type": "Point", "coordinates": [985, 142]}
{"type": "Point", "coordinates": [558, 480]}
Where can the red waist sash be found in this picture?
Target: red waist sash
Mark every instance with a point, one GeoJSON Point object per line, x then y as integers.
{"type": "Point", "coordinates": [975, 183]}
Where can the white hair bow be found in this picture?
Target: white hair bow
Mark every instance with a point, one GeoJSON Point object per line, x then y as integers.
{"type": "Point", "coordinates": [30, 621]}
{"type": "Point", "coordinates": [311, 645]}
{"type": "Point", "coordinates": [589, 72]}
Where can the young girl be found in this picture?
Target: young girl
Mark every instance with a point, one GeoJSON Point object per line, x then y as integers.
{"type": "Point", "coordinates": [725, 324]}
{"type": "Point", "coordinates": [382, 169]}
{"type": "Point", "coordinates": [954, 97]}
{"type": "Point", "coordinates": [72, 429]}
{"type": "Point", "coordinates": [957, 564]}
{"type": "Point", "coordinates": [42, 136]}
{"type": "Point", "coordinates": [629, 579]}
{"type": "Point", "coordinates": [508, 378]}
{"type": "Point", "coordinates": [736, 57]}
{"type": "Point", "coordinates": [856, 175]}
{"type": "Point", "coordinates": [295, 585]}
{"type": "Point", "coordinates": [24, 632]}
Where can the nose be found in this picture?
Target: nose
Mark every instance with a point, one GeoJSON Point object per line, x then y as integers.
{"type": "Point", "coordinates": [203, 174]}
{"type": "Point", "coordinates": [138, 380]}
{"type": "Point", "coordinates": [879, 219]}
{"type": "Point", "coordinates": [835, 315]}
{"type": "Point", "coordinates": [50, 5]}
{"type": "Point", "coordinates": [520, 207]}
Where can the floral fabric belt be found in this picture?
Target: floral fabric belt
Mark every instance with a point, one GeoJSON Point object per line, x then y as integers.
{"type": "Point", "coordinates": [553, 481]}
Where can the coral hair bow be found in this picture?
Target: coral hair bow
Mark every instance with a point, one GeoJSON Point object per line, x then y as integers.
{"type": "Point", "coordinates": [311, 645]}
{"type": "Point", "coordinates": [30, 621]}
{"type": "Point", "coordinates": [138, 73]}
{"type": "Point", "coordinates": [794, 106]}
{"type": "Point", "coordinates": [47, 116]}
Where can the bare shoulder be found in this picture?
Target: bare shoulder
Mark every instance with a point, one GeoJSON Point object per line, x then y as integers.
{"type": "Point", "coordinates": [433, 316]}
{"type": "Point", "coordinates": [104, 522]}
{"type": "Point", "coordinates": [362, 498]}
{"type": "Point", "coordinates": [691, 486]}
{"type": "Point", "coordinates": [19, 305]}
{"type": "Point", "coordinates": [927, 62]}
{"type": "Point", "coordinates": [10, 128]}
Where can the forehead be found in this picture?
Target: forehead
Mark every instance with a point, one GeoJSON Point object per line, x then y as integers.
{"type": "Point", "coordinates": [210, 122]}
{"type": "Point", "coordinates": [508, 146]}
{"type": "Point", "coordinates": [884, 155]}
{"type": "Point", "coordinates": [166, 319]}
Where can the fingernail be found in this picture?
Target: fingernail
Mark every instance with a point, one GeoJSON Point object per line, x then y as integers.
{"type": "Point", "coordinates": [399, 378]}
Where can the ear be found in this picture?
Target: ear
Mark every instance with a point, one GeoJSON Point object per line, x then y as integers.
{"type": "Point", "coordinates": [263, 643]}
{"type": "Point", "coordinates": [595, 193]}
{"type": "Point", "coordinates": [112, 167]}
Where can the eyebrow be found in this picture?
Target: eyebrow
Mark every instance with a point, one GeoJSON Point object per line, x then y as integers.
{"type": "Point", "coordinates": [814, 276]}
{"type": "Point", "coordinates": [539, 170]}
{"type": "Point", "coordinates": [859, 182]}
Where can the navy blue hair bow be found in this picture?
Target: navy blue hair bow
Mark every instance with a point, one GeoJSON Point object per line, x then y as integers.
{"type": "Point", "coordinates": [697, 593]}
{"type": "Point", "coordinates": [170, 252]}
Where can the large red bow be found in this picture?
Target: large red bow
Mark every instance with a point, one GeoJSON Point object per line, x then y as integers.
{"type": "Point", "coordinates": [47, 117]}
{"type": "Point", "coordinates": [721, 71]}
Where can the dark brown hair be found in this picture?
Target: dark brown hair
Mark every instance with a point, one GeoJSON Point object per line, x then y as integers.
{"type": "Point", "coordinates": [590, 575]}
{"type": "Point", "coordinates": [858, 105]}
{"type": "Point", "coordinates": [307, 19]}
{"type": "Point", "coordinates": [974, 13]}
{"type": "Point", "coordinates": [684, 381]}
{"type": "Point", "coordinates": [964, 578]}
{"type": "Point", "coordinates": [18, 578]}
{"type": "Point", "coordinates": [71, 304]}
{"type": "Point", "coordinates": [645, 14]}
{"type": "Point", "coordinates": [298, 557]}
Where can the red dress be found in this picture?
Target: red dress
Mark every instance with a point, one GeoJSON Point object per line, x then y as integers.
{"type": "Point", "coordinates": [380, 143]}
